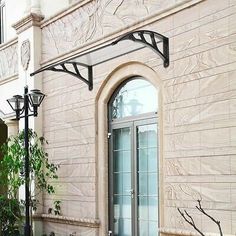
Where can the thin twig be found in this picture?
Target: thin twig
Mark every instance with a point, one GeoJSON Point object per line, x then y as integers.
{"type": "Point", "coordinates": [203, 211]}
{"type": "Point", "coordinates": [192, 223]}
{"type": "Point", "coordinates": [189, 217]}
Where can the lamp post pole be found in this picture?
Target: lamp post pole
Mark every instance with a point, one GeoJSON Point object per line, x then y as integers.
{"type": "Point", "coordinates": [27, 228]}
{"type": "Point", "coordinates": [22, 105]}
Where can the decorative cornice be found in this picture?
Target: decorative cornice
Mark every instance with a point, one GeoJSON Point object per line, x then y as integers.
{"type": "Point", "coordinates": [28, 21]}
{"type": "Point", "coordinates": [84, 222]}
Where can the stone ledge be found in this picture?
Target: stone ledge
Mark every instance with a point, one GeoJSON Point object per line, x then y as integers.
{"type": "Point", "coordinates": [172, 231]}
{"type": "Point", "coordinates": [8, 43]}
{"type": "Point", "coordinates": [84, 222]}
{"type": "Point", "coordinates": [8, 79]}
{"type": "Point", "coordinates": [28, 21]}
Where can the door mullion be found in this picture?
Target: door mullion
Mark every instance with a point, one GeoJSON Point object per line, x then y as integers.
{"type": "Point", "coordinates": [135, 186]}
{"type": "Point", "coordinates": [132, 181]}
{"type": "Point", "coordinates": [111, 171]}
{"type": "Point", "coordinates": [111, 182]}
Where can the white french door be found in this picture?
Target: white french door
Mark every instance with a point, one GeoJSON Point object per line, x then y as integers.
{"type": "Point", "coordinates": [133, 178]}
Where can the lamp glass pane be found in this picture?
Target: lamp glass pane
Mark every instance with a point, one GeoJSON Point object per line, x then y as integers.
{"type": "Point", "coordinates": [16, 102]}
{"type": "Point", "coordinates": [36, 97]}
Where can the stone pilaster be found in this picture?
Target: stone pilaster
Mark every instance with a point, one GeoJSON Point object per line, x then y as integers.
{"type": "Point", "coordinates": [29, 57]}
{"type": "Point", "coordinates": [12, 127]}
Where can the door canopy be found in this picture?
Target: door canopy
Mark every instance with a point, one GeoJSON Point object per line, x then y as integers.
{"type": "Point", "coordinates": [127, 43]}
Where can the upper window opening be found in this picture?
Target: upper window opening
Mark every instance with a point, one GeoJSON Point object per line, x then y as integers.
{"type": "Point", "coordinates": [2, 21]}
{"type": "Point", "coordinates": [135, 97]}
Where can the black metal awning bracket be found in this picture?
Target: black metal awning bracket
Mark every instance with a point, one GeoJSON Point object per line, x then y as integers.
{"type": "Point", "coordinates": [150, 39]}
{"type": "Point", "coordinates": [62, 67]}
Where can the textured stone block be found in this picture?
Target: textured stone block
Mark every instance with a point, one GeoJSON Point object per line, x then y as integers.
{"type": "Point", "coordinates": [215, 111]}
{"type": "Point", "coordinates": [182, 191]}
{"type": "Point", "coordinates": [225, 220]}
{"type": "Point", "coordinates": [233, 164]}
{"type": "Point", "coordinates": [80, 209]}
{"type": "Point", "coordinates": [182, 166]}
{"type": "Point", "coordinates": [216, 192]}
{"type": "Point", "coordinates": [210, 7]}
{"type": "Point", "coordinates": [215, 165]}
{"type": "Point", "coordinates": [182, 116]}
{"type": "Point", "coordinates": [233, 222]}
{"type": "Point", "coordinates": [232, 80]}
{"type": "Point", "coordinates": [183, 91]}
{"type": "Point", "coordinates": [180, 17]}
{"type": "Point", "coordinates": [186, 40]}
{"type": "Point", "coordinates": [215, 138]}
{"type": "Point", "coordinates": [214, 30]}
{"type": "Point", "coordinates": [183, 141]}
{"type": "Point", "coordinates": [214, 84]}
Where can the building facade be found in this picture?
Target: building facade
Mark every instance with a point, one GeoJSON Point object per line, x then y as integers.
{"type": "Point", "coordinates": [146, 139]}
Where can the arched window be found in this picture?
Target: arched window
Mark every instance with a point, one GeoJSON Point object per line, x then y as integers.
{"type": "Point", "coordinates": [135, 97]}
{"type": "Point", "coordinates": [133, 159]}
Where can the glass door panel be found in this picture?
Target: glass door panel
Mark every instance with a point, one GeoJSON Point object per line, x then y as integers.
{"type": "Point", "coordinates": [134, 174]}
{"type": "Point", "coordinates": [122, 182]}
{"type": "Point", "coordinates": [147, 179]}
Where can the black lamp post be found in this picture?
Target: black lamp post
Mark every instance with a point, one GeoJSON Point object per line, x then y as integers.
{"type": "Point", "coordinates": [29, 103]}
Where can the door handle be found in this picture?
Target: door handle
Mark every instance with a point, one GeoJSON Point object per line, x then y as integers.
{"type": "Point", "coordinates": [131, 191]}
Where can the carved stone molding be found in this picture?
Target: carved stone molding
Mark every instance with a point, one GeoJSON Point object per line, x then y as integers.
{"type": "Point", "coordinates": [84, 222]}
{"type": "Point", "coordinates": [100, 20]}
{"type": "Point", "coordinates": [25, 54]}
{"type": "Point", "coordinates": [30, 20]}
{"type": "Point", "coordinates": [173, 231]}
{"type": "Point", "coordinates": [177, 232]}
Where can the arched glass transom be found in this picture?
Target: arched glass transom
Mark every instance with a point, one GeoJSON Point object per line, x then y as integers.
{"type": "Point", "coordinates": [135, 97]}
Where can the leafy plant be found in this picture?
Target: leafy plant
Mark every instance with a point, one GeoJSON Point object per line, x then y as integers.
{"type": "Point", "coordinates": [56, 209]}
{"type": "Point", "coordinates": [10, 215]}
{"type": "Point", "coordinates": [12, 176]}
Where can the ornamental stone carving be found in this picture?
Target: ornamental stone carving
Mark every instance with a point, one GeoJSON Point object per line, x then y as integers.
{"type": "Point", "coordinates": [8, 60]}
{"type": "Point", "coordinates": [97, 19]}
{"type": "Point", "coordinates": [25, 54]}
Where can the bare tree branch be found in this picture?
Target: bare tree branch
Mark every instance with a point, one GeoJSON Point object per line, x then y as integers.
{"type": "Point", "coordinates": [203, 211]}
{"type": "Point", "coordinates": [192, 223]}
{"type": "Point", "coordinates": [189, 217]}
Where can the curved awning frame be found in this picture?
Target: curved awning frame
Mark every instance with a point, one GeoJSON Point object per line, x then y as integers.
{"type": "Point", "coordinates": [127, 43]}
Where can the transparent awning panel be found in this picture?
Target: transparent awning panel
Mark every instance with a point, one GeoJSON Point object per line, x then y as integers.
{"type": "Point", "coordinates": [106, 53]}
{"type": "Point", "coordinates": [128, 43]}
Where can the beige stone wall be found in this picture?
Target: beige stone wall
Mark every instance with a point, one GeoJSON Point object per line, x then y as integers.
{"type": "Point", "coordinates": [199, 104]}
{"type": "Point", "coordinates": [199, 111]}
